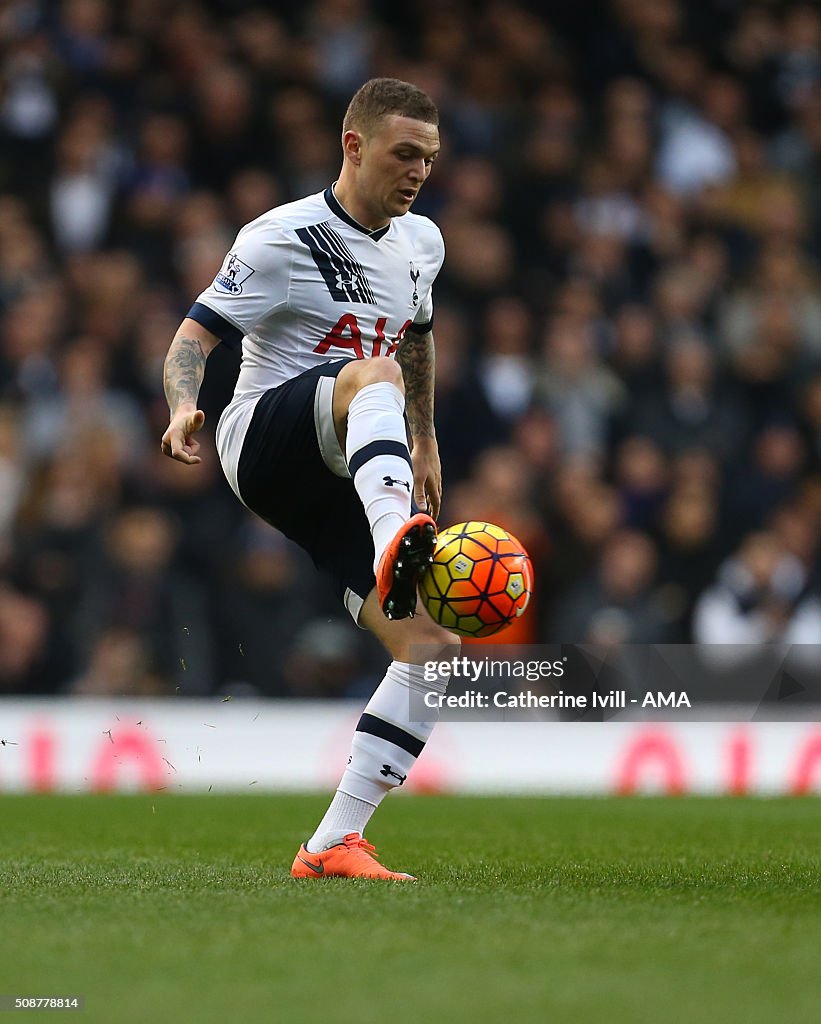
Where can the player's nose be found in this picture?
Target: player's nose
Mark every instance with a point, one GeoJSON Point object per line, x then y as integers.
{"type": "Point", "coordinates": [418, 170]}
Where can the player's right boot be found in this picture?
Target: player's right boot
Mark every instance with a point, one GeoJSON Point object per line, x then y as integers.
{"type": "Point", "coordinates": [354, 857]}
{"type": "Point", "coordinates": [402, 563]}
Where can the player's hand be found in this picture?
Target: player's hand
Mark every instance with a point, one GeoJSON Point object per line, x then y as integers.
{"type": "Point", "coordinates": [427, 475]}
{"type": "Point", "coordinates": [178, 442]}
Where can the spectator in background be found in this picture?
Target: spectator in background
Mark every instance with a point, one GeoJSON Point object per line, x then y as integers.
{"type": "Point", "coordinates": [105, 296]}
{"type": "Point", "coordinates": [582, 394]}
{"type": "Point", "coordinates": [324, 661]}
{"type": "Point", "coordinates": [762, 596]}
{"type": "Point", "coordinates": [251, 192]}
{"type": "Point", "coordinates": [505, 367]}
{"type": "Point", "coordinates": [29, 100]}
{"type": "Point", "coordinates": [29, 662]}
{"type": "Point", "coordinates": [768, 479]}
{"type": "Point", "coordinates": [62, 516]}
{"type": "Point", "coordinates": [810, 409]}
{"type": "Point", "coordinates": [138, 588]}
{"type": "Point", "coordinates": [536, 439]}
{"type": "Point", "coordinates": [798, 65]}
{"type": "Point", "coordinates": [262, 605]}
{"type": "Point", "coordinates": [225, 131]}
{"type": "Point", "coordinates": [12, 478]}
{"type": "Point", "coordinates": [689, 550]}
{"type": "Point", "coordinates": [780, 308]}
{"type": "Point", "coordinates": [583, 515]}
{"type": "Point", "coordinates": [694, 408]}
{"type": "Point", "coordinates": [88, 173]}
{"type": "Point", "coordinates": [31, 328]}
{"type": "Point", "coordinates": [799, 530]}
{"type": "Point", "coordinates": [24, 262]}
{"type": "Point", "coordinates": [618, 603]}
{"type": "Point", "coordinates": [635, 349]}
{"type": "Point", "coordinates": [345, 39]}
{"type": "Point", "coordinates": [640, 471]}
{"type": "Point", "coordinates": [158, 183]}
{"type": "Point", "coordinates": [696, 148]}
{"type": "Point", "coordinates": [86, 411]}
{"type": "Point", "coordinates": [119, 665]}
{"type": "Point", "coordinates": [766, 368]}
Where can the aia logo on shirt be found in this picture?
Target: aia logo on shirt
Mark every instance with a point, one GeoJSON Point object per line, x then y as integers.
{"type": "Point", "coordinates": [348, 333]}
{"type": "Point", "coordinates": [233, 275]}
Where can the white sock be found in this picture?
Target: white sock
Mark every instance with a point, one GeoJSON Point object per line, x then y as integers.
{"type": "Point", "coordinates": [385, 747]}
{"type": "Point", "coordinates": [376, 450]}
{"type": "Point", "coordinates": [345, 814]}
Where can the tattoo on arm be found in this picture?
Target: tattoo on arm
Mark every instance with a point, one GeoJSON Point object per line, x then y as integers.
{"type": "Point", "coordinates": [416, 357]}
{"type": "Point", "coordinates": [183, 372]}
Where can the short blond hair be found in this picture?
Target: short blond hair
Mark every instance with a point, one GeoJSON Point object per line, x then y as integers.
{"type": "Point", "coordinates": [381, 97]}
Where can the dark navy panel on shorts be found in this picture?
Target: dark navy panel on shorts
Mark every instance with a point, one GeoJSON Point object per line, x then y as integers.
{"type": "Point", "coordinates": [282, 477]}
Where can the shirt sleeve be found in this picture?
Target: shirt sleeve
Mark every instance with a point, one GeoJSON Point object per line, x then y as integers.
{"type": "Point", "coordinates": [251, 284]}
{"type": "Point", "coordinates": [423, 321]}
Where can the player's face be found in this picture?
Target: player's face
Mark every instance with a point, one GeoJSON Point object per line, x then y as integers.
{"type": "Point", "coordinates": [395, 163]}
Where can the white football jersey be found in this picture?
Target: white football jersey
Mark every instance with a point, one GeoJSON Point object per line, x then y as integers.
{"type": "Point", "coordinates": [304, 284]}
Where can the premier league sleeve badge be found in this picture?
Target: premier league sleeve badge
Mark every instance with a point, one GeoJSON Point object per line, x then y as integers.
{"type": "Point", "coordinates": [233, 274]}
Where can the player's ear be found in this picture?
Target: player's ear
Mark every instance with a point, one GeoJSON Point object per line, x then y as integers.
{"type": "Point", "coordinates": [352, 146]}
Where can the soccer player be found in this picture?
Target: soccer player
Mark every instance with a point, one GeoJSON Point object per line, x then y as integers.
{"type": "Point", "coordinates": [330, 299]}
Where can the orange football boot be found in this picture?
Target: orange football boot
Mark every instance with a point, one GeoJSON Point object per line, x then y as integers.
{"type": "Point", "coordinates": [354, 857]}
{"type": "Point", "coordinates": [402, 563]}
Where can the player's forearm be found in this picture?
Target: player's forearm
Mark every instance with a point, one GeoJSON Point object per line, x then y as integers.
{"type": "Point", "coordinates": [183, 371]}
{"type": "Point", "coordinates": [416, 357]}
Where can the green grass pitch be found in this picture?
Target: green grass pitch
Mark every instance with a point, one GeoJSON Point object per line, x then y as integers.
{"type": "Point", "coordinates": [180, 909]}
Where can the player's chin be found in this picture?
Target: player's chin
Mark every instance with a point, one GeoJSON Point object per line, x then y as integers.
{"type": "Point", "coordinates": [401, 203]}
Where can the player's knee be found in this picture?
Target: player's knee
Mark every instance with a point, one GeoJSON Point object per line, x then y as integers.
{"type": "Point", "coordinates": [355, 376]}
{"type": "Point", "coordinates": [449, 639]}
{"type": "Point", "coordinates": [433, 640]}
{"type": "Point", "coordinates": [378, 371]}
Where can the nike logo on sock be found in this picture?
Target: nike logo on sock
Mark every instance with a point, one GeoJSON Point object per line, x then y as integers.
{"type": "Point", "coordinates": [318, 868]}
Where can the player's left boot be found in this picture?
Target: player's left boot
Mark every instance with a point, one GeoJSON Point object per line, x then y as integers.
{"type": "Point", "coordinates": [354, 857]}
{"type": "Point", "coordinates": [402, 563]}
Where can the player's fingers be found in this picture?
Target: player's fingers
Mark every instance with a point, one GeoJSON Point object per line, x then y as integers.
{"type": "Point", "coordinates": [178, 441]}
{"type": "Point", "coordinates": [419, 488]}
{"type": "Point", "coordinates": [181, 455]}
{"type": "Point", "coordinates": [435, 503]}
{"type": "Point", "coordinates": [173, 446]}
{"type": "Point", "coordinates": [434, 492]}
{"type": "Point", "coordinates": [167, 444]}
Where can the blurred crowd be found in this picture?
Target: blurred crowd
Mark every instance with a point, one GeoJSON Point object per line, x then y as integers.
{"type": "Point", "coordinates": [628, 322]}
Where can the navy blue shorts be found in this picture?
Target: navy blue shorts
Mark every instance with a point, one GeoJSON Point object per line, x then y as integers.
{"type": "Point", "coordinates": [293, 474]}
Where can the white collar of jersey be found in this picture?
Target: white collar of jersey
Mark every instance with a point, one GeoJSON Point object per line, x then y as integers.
{"type": "Point", "coordinates": [342, 213]}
